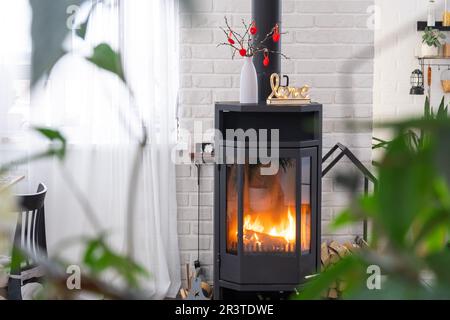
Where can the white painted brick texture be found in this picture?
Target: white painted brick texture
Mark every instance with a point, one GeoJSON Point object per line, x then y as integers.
{"type": "Point", "coordinates": [330, 48]}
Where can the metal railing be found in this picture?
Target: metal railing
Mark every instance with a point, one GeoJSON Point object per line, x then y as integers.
{"type": "Point", "coordinates": [368, 176]}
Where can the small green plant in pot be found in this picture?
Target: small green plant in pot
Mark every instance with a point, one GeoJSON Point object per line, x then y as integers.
{"type": "Point", "coordinates": [431, 42]}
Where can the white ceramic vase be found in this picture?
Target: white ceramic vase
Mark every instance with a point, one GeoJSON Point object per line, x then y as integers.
{"type": "Point", "coordinates": [249, 82]}
{"type": "Point", "coordinates": [429, 51]}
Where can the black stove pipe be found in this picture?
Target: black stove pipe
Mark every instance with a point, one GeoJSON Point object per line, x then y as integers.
{"type": "Point", "coordinates": [266, 13]}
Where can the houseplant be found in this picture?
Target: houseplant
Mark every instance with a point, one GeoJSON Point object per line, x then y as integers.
{"type": "Point", "coordinates": [431, 42]}
{"type": "Point", "coordinates": [410, 217]}
{"type": "Point", "coordinates": [98, 258]}
{"type": "Point", "coordinates": [248, 44]}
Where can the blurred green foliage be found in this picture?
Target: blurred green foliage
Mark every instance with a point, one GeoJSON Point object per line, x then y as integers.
{"type": "Point", "coordinates": [50, 27]}
{"type": "Point", "coordinates": [100, 258]}
{"type": "Point", "coordinates": [418, 138]}
{"type": "Point", "coordinates": [410, 217]}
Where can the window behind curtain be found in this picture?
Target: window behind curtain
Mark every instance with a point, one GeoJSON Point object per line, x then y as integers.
{"type": "Point", "coordinates": [15, 67]}
{"type": "Point", "coordinates": [90, 105]}
{"type": "Point", "coordinates": [15, 54]}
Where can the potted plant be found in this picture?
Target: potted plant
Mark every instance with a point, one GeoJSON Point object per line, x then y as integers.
{"type": "Point", "coordinates": [431, 42]}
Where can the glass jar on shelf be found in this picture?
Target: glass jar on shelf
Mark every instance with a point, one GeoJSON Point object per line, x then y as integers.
{"type": "Point", "coordinates": [446, 50]}
{"type": "Point", "coordinates": [445, 80]}
{"type": "Point", "coordinates": [446, 17]}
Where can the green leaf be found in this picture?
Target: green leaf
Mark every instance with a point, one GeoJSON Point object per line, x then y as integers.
{"type": "Point", "coordinates": [404, 189]}
{"type": "Point", "coordinates": [315, 288]}
{"type": "Point", "coordinates": [106, 58]}
{"type": "Point", "coordinates": [81, 31]}
{"type": "Point", "coordinates": [427, 111]}
{"type": "Point", "coordinates": [380, 143]}
{"type": "Point", "coordinates": [98, 257]}
{"type": "Point", "coordinates": [345, 218]}
{"type": "Point", "coordinates": [414, 140]}
{"type": "Point", "coordinates": [54, 135]}
{"type": "Point", "coordinates": [49, 29]}
{"type": "Point", "coordinates": [436, 241]}
{"type": "Point", "coordinates": [442, 139]}
{"type": "Point", "coordinates": [442, 111]}
{"type": "Point", "coordinates": [439, 263]}
{"type": "Point", "coordinates": [51, 134]}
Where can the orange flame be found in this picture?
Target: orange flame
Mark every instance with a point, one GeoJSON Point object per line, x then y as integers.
{"type": "Point", "coordinates": [286, 229]}
{"type": "Point", "coordinates": [261, 232]}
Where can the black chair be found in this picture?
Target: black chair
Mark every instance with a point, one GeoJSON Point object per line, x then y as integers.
{"type": "Point", "coordinates": [29, 240]}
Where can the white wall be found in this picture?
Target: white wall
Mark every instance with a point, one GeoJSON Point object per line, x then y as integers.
{"type": "Point", "coordinates": [330, 48]}
{"type": "Point", "coordinates": [397, 42]}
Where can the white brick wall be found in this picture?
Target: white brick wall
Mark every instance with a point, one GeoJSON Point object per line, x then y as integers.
{"type": "Point", "coordinates": [330, 48]}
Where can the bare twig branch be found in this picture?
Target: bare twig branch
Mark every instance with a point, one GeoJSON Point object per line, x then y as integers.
{"type": "Point", "coordinates": [225, 31]}
{"type": "Point", "coordinates": [228, 44]}
{"type": "Point", "coordinates": [236, 34]}
{"type": "Point", "coordinates": [267, 37]}
{"type": "Point", "coordinates": [253, 45]}
{"type": "Point", "coordinates": [273, 52]}
{"type": "Point", "coordinates": [132, 190]}
{"type": "Point", "coordinates": [247, 34]}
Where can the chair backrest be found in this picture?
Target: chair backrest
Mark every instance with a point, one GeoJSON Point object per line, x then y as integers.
{"type": "Point", "coordinates": [29, 237]}
{"type": "Point", "coordinates": [30, 232]}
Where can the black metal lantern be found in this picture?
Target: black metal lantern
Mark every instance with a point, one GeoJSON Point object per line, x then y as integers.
{"type": "Point", "coordinates": [417, 83]}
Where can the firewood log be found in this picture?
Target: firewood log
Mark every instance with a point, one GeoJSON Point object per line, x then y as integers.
{"type": "Point", "coordinates": [334, 258]}
{"type": "Point", "coordinates": [349, 246]}
{"type": "Point", "coordinates": [333, 294]}
{"type": "Point", "coordinates": [269, 242]}
{"type": "Point", "coordinates": [330, 254]}
{"type": "Point", "coordinates": [183, 293]}
{"type": "Point", "coordinates": [361, 242]}
{"type": "Point", "coordinates": [324, 255]}
{"type": "Point", "coordinates": [341, 250]}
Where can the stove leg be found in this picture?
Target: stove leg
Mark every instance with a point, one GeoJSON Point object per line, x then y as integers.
{"type": "Point", "coordinates": [218, 292]}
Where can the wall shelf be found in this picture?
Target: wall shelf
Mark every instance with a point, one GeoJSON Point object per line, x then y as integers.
{"type": "Point", "coordinates": [433, 58]}
{"type": "Point", "coordinates": [437, 61]}
{"type": "Point", "coordinates": [421, 25]}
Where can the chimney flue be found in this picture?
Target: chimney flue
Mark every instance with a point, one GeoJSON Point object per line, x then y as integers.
{"type": "Point", "coordinates": [266, 13]}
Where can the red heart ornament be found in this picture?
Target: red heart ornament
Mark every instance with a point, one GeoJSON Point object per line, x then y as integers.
{"type": "Point", "coordinates": [266, 60]}
{"type": "Point", "coordinates": [230, 38]}
{"type": "Point", "coordinates": [253, 29]}
{"type": "Point", "coordinates": [276, 34]}
{"type": "Point", "coordinates": [276, 37]}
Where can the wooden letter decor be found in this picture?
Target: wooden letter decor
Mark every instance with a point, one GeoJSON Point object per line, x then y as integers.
{"type": "Point", "coordinates": [286, 95]}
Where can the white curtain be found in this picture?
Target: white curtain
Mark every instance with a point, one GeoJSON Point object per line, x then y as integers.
{"type": "Point", "coordinates": [97, 114]}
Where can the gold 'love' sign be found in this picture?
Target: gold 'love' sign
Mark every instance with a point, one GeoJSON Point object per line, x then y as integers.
{"type": "Point", "coordinates": [286, 95]}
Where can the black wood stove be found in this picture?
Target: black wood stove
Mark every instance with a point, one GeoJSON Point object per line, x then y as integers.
{"type": "Point", "coordinates": [266, 227]}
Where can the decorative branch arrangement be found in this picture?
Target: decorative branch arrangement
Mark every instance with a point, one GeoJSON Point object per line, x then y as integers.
{"type": "Point", "coordinates": [248, 44]}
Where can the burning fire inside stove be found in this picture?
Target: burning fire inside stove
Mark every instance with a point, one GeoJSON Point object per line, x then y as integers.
{"type": "Point", "coordinates": [258, 235]}
{"type": "Point", "coordinates": [263, 235]}
{"type": "Point", "coordinates": [269, 219]}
